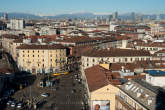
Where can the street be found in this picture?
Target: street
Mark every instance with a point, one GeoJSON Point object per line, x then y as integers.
{"type": "Point", "coordinates": [67, 94]}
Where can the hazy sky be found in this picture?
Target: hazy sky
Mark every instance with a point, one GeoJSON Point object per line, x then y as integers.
{"type": "Point", "coordinates": [52, 7]}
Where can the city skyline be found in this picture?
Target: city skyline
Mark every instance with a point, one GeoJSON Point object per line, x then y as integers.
{"type": "Point", "coordinates": [50, 7]}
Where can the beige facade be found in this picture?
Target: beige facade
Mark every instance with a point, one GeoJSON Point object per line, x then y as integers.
{"type": "Point", "coordinates": [91, 61]}
{"type": "Point", "coordinates": [41, 60]}
{"type": "Point", "coordinates": [106, 93]}
{"type": "Point", "coordinates": [7, 43]}
{"type": "Point", "coordinates": [150, 48]}
{"type": "Point", "coordinates": [13, 51]}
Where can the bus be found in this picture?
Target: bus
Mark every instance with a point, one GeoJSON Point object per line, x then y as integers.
{"type": "Point", "coordinates": [60, 73]}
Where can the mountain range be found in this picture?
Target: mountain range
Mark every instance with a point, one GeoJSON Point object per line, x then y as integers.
{"type": "Point", "coordinates": [75, 15]}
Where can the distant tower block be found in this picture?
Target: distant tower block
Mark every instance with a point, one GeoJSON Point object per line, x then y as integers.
{"type": "Point", "coordinates": [158, 17]}
{"type": "Point", "coordinates": [5, 16]}
{"type": "Point", "coordinates": [140, 17]}
{"type": "Point", "coordinates": [115, 16]}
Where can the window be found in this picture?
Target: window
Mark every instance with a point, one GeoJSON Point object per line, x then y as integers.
{"type": "Point", "coordinates": [51, 55]}
{"type": "Point", "coordinates": [93, 60]}
{"type": "Point", "coordinates": [87, 59]}
{"type": "Point", "coordinates": [33, 51]}
{"type": "Point", "coordinates": [43, 51]}
{"type": "Point", "coordinates": [130, 59]}
{"type": "Point", "coordinates": [33, 55]}
{"type": "Point", "coordinates": [23, 55]}
{"type": "Point", "coordinates": [119, 60]}
{"type": "Point", "coordinates": [28, 55]}
{"type": "Point", "coordinates": [38, 51]}
{"type": "Point", "coordinates": [23, 51]}
{"type": "Point", "coordinates": [137, 59]}
{"type": "Point", "coordinates": [28, 51]}
{"type": "Point", "coordinates": [87, 64]}
{"type": "Point", "coordinates": [50, 59]}
{"type": "Point", "coordinates": [38, 56]}
{"type": "Point", "coordinates": [142, 59]}
{"type": "Point", "coordinates": [148, 59]}
{"type": "Point", "coordinates": [43, 65]}
{"type": "Point", "coordinates": [113, 59]}
{"type": "Point", "coordinates": [43, 60]}
{"type": "Point", "coordinates": [125, 59]}
{"type": "Point", "coordinates": [38, 65]}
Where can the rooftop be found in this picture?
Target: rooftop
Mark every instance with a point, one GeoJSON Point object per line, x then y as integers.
{"type": "Point", "coordinates": [150, 97]}
{"type": "Point", "coordinates": [155, 72]}
{"type": "Point", "coordinates": [115, 52]}
{"type": "Point", "coordinates": [98, 77]}
{"type": "Point", "coordinates": [35, 46]}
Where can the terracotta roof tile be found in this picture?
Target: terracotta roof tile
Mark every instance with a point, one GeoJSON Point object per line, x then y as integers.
{"type": "Point", "coordinates": [33, 46]}
{"type": "Point", "coordinates": [115, 52]}
{"type": "Point", "coordinates": [98, 77]}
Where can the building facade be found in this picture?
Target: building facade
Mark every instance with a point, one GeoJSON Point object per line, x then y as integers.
{"type": "Point", "coordinates": [113, 55]}
{"type": "Point", "coordinates": [139, 95]}
{"type": "Point", "coordinates": [41, 58]}
{"type": "Point", "coordinates": [17, 24]}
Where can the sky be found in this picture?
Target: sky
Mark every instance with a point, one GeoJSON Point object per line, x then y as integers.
{"type": "Point", "coordinates": [54, 7]}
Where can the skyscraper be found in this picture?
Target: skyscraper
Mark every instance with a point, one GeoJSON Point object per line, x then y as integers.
{"type": "Point", "coordinates": [108, 19]}
{"type": "Point", "coordinates": [158, 17]}
{"type": "Point", "coordinates": [5, 16]}
{"type": "Point", "coordinates": [17, 24]}
{"type": "Point", "coordinates": [133, 16]}
{"type": "Point", "coordinates": [140, 18]}
{"type": "Point", "coordinates": [115, 16]}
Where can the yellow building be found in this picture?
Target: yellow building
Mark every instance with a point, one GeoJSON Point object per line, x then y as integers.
{"type": "Point", "coordinates": [41, 58]}
{"type": "Point", "coordinates": [14, 45]}
{"type": "Point", "coordinates": [101, 87]}
{"type": "Point", "coordinates": [7, 42]}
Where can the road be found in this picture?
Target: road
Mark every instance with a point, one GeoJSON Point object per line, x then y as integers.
{"type": "Point", "coordinates": [68, 96]}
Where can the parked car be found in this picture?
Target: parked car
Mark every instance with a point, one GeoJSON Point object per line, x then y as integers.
{"type": "Point", "coordinates": [13, 104]}
{"type": "Point", "coordinates": [73, 90]}
{"type": "Point", "coordinates": [20, 105]}
{"type": "Point", "coordinates": [9, 102]}
{"type": "Point", "coordinates": [45, 94]}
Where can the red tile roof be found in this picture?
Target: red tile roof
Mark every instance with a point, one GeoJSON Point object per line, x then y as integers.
{"type": "Point", "coordinates": [115, 52]}
{"type": "Point", "coordinates": [18, 41]}
{"type": "Point", "coordinates": [33, 46]}
{"type": "Point", "coordinates": [98, 77]}
{"type": "Point", "coordinates": [9, 36]}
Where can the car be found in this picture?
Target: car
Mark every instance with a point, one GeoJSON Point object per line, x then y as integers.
{"type": "Point", "coordinates": [73, 90]}
{"type": "Point", "coordinates": [45, 94]}
{"type": "Point", "coordinates": [13, 104]}
{"type": "Point", "coordinates": [19, 105]}
{"type": "Point", "coordinates": [9, 102]}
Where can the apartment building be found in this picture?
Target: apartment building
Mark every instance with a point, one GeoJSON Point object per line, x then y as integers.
{"type": "Point", "coordinates": [17, 24]}
{"type": "Point", "coordinates": [7, 42]}
{"type": "Point", "coordinates": [101, 85]}
{"type": "Point", "coordinates": [38, 58]}
{"type": "Point", "coordinates": [155, 77]}
{"type": "Point", "coordinates": [152, 47]}
{"type": "Point", "coordinates": [113, 55]}
{"type": "Point", "coordinates": [14, 45]}
{"type": "Point", "coordinates": [140, 95]}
